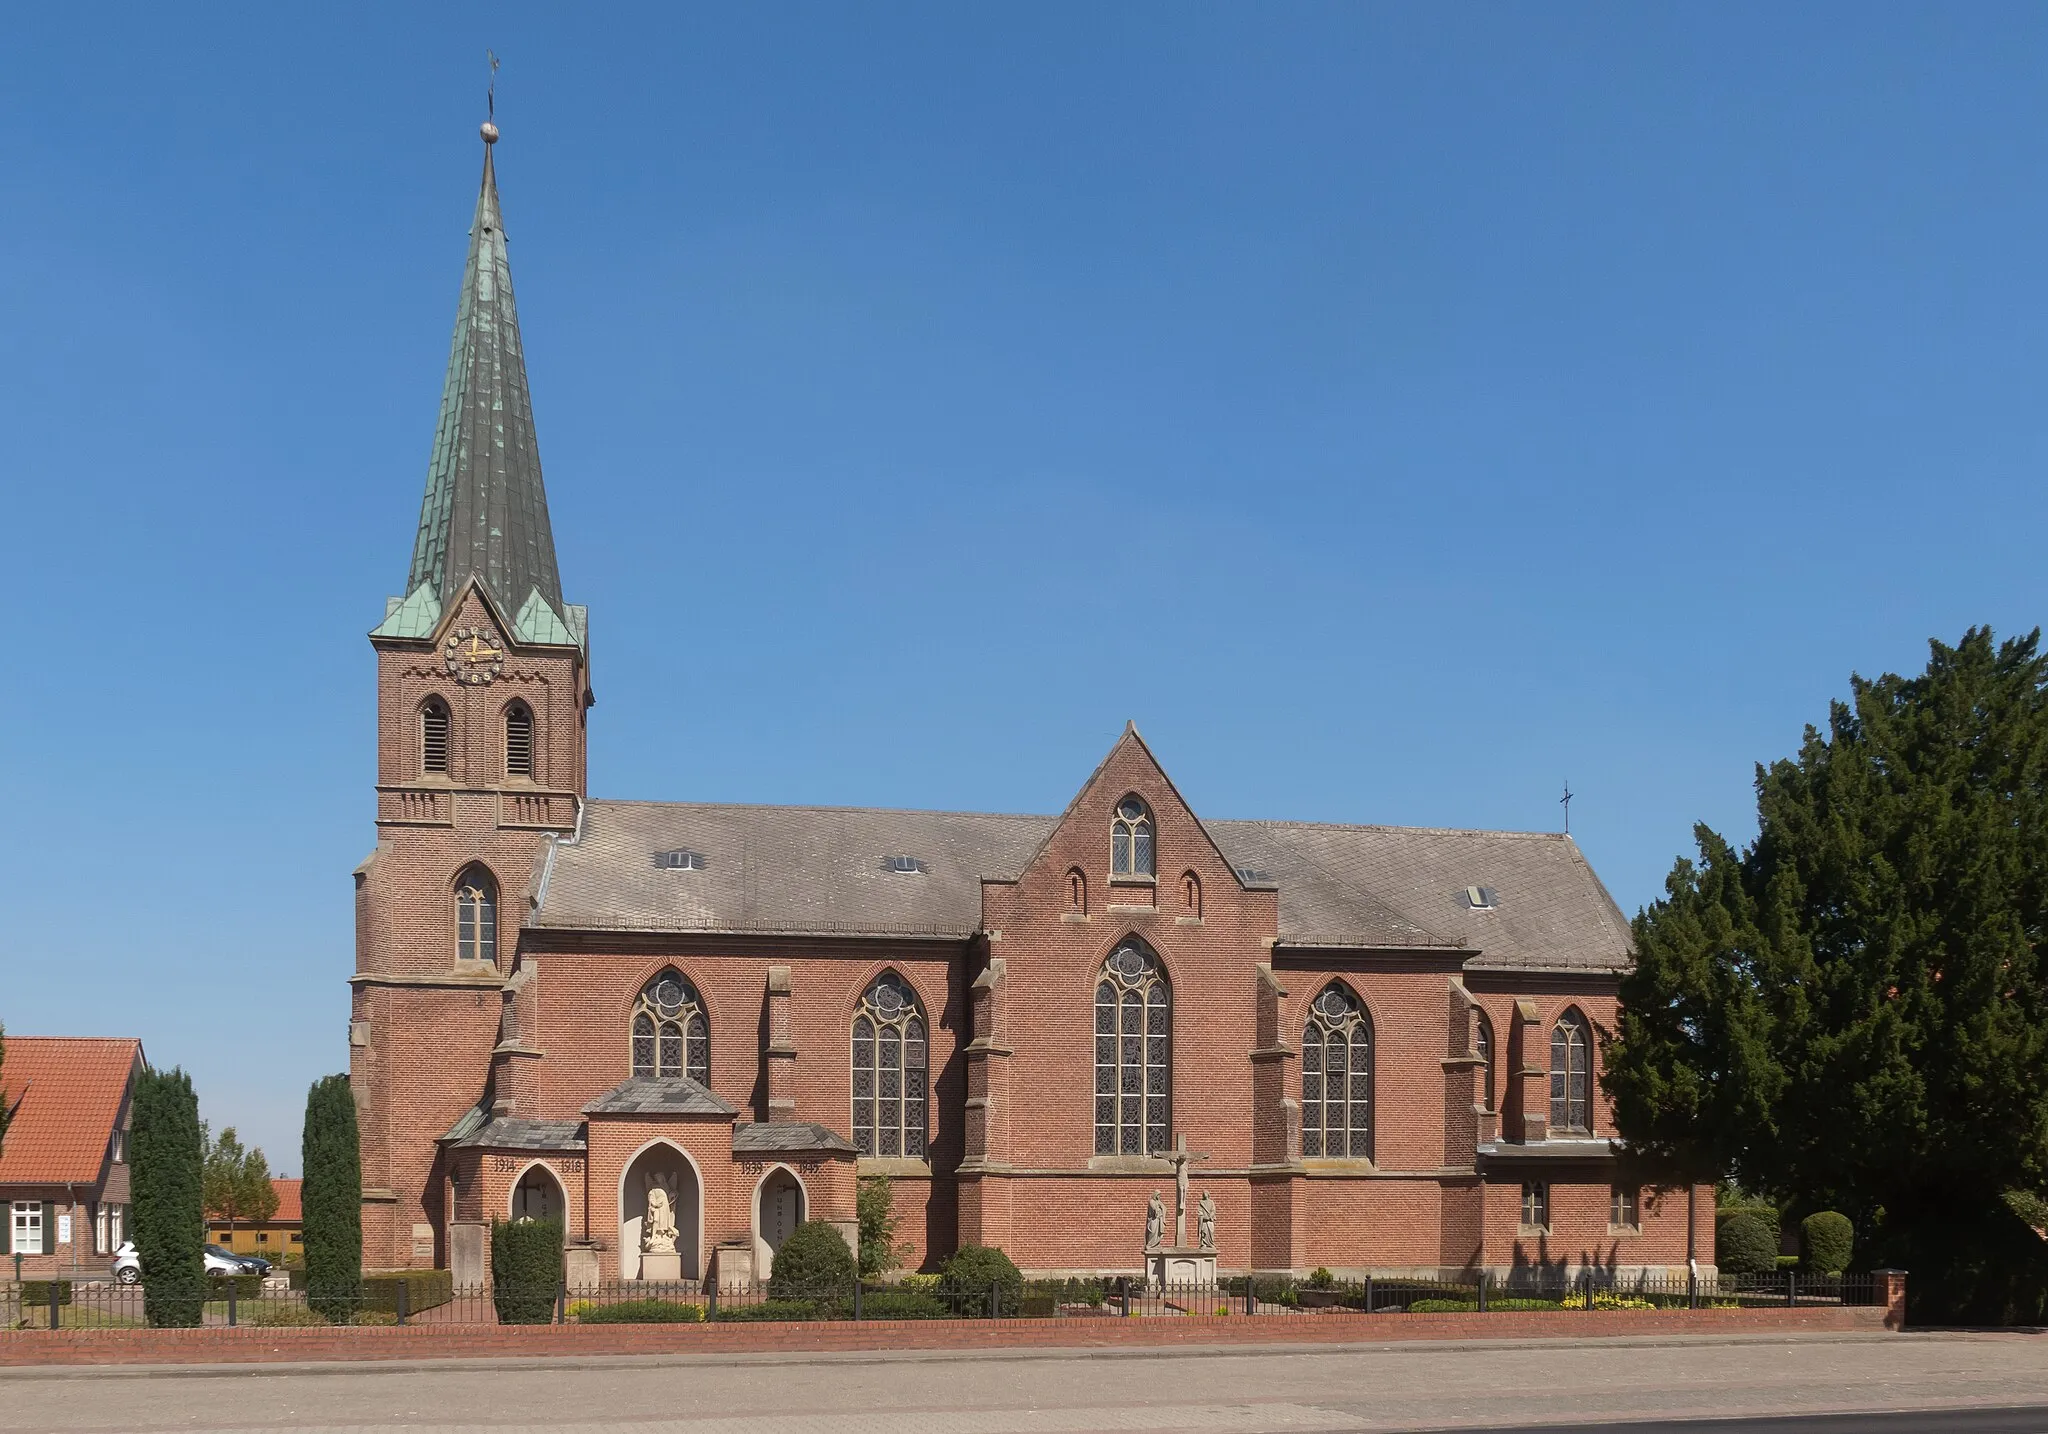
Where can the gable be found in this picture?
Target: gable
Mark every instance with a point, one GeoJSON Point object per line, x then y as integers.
{"type": "Point", "coordinates": [66, 1093]}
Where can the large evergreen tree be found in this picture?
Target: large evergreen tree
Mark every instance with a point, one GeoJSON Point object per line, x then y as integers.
{"type": "Point", "coordinates": [1852, 1014]}
{"type": "Point", "coordinates": [169, 1222]}
{"type": "Point", "coordinates": [331, 1200]}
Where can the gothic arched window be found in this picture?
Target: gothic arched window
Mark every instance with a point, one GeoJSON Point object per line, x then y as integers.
{"type": "Point", "coordinates": [1130, 839]}
{"type": "Point", "coordinates": [1482, 1043]}
{"type": "Point", "coordinates": [1571, 1075]}
{"type": "Point", "coordinates": [518, 740]}
{"type": "Point", "coordinates": [1336, 1077]}
{"type": "Point", "coordinates": [1133, 1053]}
{"type": "Point", "coordinates": [670, 1034]}
{"type": "Point", "coordinates": [476, 916]}
{"type": "Point", "coordinates": [890, 1057]}
{"type": "Point", "coordinates": [434, 735]}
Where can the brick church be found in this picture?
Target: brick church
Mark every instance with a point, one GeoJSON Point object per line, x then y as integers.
{"type": "Point", "coordinates": [1371, 1048]}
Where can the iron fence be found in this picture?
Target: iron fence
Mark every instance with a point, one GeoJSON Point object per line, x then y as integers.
{"type": "Point", "coordinates": [427, 1298]}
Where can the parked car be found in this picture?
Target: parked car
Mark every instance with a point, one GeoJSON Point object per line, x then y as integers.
{"type": "Point", "coordinates": [218, 1260]}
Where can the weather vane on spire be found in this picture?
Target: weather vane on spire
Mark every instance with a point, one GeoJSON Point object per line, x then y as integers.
{"type": "Point", "coordinates": [490, 125]}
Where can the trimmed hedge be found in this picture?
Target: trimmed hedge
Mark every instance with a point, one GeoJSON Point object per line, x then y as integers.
{"type": "Point", "coordinates": [246, 1287]}
{"type": "Point", "coordinates": [972, 1269]}
{"type": "Point", "coordinates": [1826, 1241]}
{"type": "Point", "coordinates": [643, 1312]}
{"type": "Point", "coordinates": [35, 1294]}
{"type": "Point", "coordinates": [1472, 1306]}
{"type": "Point", "coordinates": [1745, 1245]}
{"type": "Point", "coordinates": [813, 1263]}
{"type": "Point", "coordinates": [526, 1269]}
{"type": "Point", "coordinates": [904, 1304]}
{"type": "Point", "coordinates": [424, 1290]}
{"type": "Point", "coordinates": [777, 1309]}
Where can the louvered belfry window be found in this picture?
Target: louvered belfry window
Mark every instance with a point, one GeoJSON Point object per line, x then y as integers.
{"type": "Point", "coordinates": [670, 1034]}
{"type": "Point", "coordinates": [1336, 1077]}
{"type": "Point", "coordinates": [891, 1058]}
{"type": "Point", "coordinates": [518, 740]}
{"type": "Point", "coordinates": [1571, 1075]}
{"type": "Point", "coordinates": [1133, 1053]}
{"type": "Point", "coordinates": [434, 736]}
{"type": "Point", "coordinates": [476, 916]}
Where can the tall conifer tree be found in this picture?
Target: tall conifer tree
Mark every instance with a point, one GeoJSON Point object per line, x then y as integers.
{"type": "Point", "coordinates": [169, 1218]}
{"type": "Point", "coordinates": [331, 1200]}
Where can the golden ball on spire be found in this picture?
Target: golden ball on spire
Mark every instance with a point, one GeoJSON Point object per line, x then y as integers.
{"type": "Point", "coordinates": [489, 131]}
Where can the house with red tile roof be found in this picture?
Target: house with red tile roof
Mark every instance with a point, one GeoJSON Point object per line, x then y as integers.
{"type": "Point", "coordinates": [64, 1157]}
{"type": "Point", "coordinates": [274, 1239]}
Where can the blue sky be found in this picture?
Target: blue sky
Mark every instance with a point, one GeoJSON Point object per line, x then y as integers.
{"type": "Point", "coordinates": [1395, 412]}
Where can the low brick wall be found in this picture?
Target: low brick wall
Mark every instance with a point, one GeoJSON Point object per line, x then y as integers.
{"type": "Point", "coordinates": [268, 1346]}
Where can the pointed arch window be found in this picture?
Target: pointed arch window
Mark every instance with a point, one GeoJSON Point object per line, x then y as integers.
{"type": "Point", "coordinates": [890, 1061]}
{"type": "Point", "coordinates": [1133, 1053]}
{"type": "Point", "coordinates": [1571, 1076]}
{"type": "Point", "coordinates": [476, 916]}
{"type": "Point", "coordinates": [1482, 1044]}
{"type": "Point", "coordinates": [1130, 839]}
{"type": "Point", "coordinates": [434, 735]}
{"type": "Point", "coordinates": [518, 740]}
{"type": "Point", "coordinates": [1336, 1077]}
{"type": "Point", "coordinates": [670, 1035]}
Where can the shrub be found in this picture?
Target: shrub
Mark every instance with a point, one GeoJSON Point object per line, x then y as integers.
{"type": "Point", "coordinates": [35, 1294]}
{"type": "Point", "coordinates": [778, 1309]}
{"type": "Point", "coordinates": [973, 1269]}
{"type": "Point", "coordinates": [1745, 1245]}
{"type": "Point", "coordinates": [875, 1205]}
{"type": "Point", "coordinates": [1322, 1279]}
{"type": "Point", "coordinates": [920, 1282]}
{"type": "Point", "coordinates": [424, 1289]}
{"type": "Point", "coordinates": [1070, 1291]}
{"type": "Point", "coordinates": [641, 1312]}
{"type": "Point", "coordinates": [168, 1224]}
{"type": "Point", "coordinates": [1826, 1241]}
{"type": "Point", "coordinates": [813, 1263]}
{"type": "Point", "coordinates": [246, 1287]}
{"type": "Point", "coordinates": [1471, 1306]}
{"type": "Point", "coordinates": [332, 1200]}
{"type": "Point", "coordinates": [526, 1269]}
{"type": "Point", "coordinates": [904, 1304]}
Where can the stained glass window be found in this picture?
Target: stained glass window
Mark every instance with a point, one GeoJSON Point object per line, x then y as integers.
{"type": "Point", "coordinates": [1130, 839]}
{"type": "Point", "coordinates": [1133, 1053]}
{"type": "Point", "coordinates": [1336, 1077]}
{"type": "Point", "coordinates": [1571, 1075]}
{"type": "Point", "coordinates": [890, 1064]}
{"type": "Point", "coordinates": [670, 1034]}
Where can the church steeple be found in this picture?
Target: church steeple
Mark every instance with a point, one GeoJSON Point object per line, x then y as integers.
{"type": "Point", "coordinates": [486, 511]}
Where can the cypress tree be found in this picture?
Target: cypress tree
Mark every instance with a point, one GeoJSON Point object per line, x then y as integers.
{"type": "Point", "coordinates": [169, 1221]}
{"type": "Point", "coordinates": [331, 1200]}
{"type": "Point", "coordinates": [1851, 1014]}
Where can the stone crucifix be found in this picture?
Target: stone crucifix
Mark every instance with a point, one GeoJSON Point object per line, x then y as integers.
{"type": "Point", "coordinates": [1180, 1159]}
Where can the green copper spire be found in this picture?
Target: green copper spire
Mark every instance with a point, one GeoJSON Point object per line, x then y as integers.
{"type": "Point", "coordinates": [486, 512]}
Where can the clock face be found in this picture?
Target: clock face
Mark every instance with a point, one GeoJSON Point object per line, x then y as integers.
{"type": "Point", "coordinates": [472, 656]}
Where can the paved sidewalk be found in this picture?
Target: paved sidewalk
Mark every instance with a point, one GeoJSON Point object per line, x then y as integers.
{"type": "Point", "coordinates": [1236, 1391]}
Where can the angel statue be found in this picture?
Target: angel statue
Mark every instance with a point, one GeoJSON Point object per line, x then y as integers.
{"type": "Point", "coordinates": [660, 1232]}
{"type": "Point", "coordinates": [1205, 1222]}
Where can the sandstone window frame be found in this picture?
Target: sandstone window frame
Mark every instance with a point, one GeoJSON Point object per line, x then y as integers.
{"type": "Point", "coordinates": [476, 915]}
{"type": "Point", "coordinates": [1535, 1217]}
{"type": "Point", "coordinates": [1338, 1026]}
{"type": "Point", "coordinates": [1133, 844]}
{"type": "Point", "coordinates": [1571, 1074]}
{"type": "Point", "coordinates": [1482, 1043]}
{"type": "Point", "coordinates": [889, 1056]}
{"type": "Point", "coordinates": [1133, 1052]}
{"type": "Point", "coordinates": [670, 1030]}
{"type": "Point", "coordinates": [1624, 1210]}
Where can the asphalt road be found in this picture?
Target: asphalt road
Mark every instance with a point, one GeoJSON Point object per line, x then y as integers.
{"type": "Point", "coordinates": [1969, 1384]}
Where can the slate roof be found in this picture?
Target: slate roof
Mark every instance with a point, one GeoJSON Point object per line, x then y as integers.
{"type": "Point", "coordinates": [486, 510]}
{"type": "Point", "coordinates": [823, 871]}
{"type": "Point", "coordinates": [659, 1095]}
{"type": "Point", "coordinates": [787, 1137]}
{"type": "Point", "coordinates": [504, 1132]}
{"type": "Point", "coordinates": [66, 1094]}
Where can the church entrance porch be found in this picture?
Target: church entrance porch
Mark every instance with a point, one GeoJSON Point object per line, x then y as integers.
{"type": "Point", "coordinates": [661, 1216]}
{"type": "Point", "coordinates": [778, 1209]}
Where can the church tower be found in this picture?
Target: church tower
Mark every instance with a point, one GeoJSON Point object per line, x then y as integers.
{"type": "Point", "coordinates": [482, 690]}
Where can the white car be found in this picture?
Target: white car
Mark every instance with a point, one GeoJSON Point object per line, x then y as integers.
{"type": "Point", "coordinates": [219, 1261]}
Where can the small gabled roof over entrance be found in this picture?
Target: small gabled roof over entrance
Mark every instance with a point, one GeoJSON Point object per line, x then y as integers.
{"type": "Point", "coordinates": [659, 1095]}
{"type": "Point", "coordinates": [789, 1137]}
